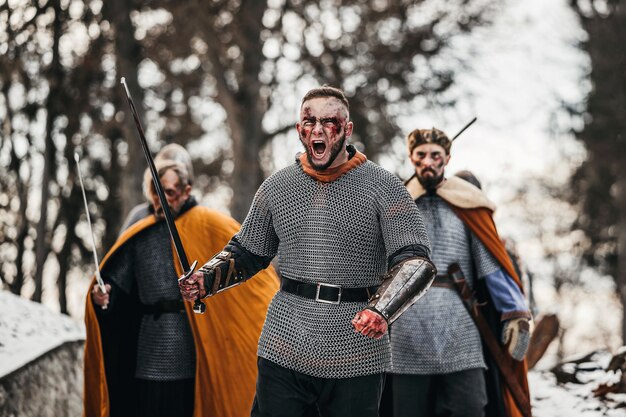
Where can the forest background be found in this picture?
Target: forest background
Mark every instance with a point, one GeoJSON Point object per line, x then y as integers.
{"type": "Point", "coordinates": [547, 81]}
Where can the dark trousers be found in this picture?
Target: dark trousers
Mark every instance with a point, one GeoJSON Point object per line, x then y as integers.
{"type": "Point", "coordinates": [459, 394]}
{"type": "Point", "coordinates": [165, 398]}
{"type": "Point", "coordinates": [281, 392]}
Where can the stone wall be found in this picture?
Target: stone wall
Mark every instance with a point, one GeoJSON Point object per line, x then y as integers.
{"type": "Point", "coordinates": [49, 386]}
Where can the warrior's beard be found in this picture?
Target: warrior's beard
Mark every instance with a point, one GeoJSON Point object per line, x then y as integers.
{"type": "Point", "coordinates": [430, 182]}
{"type": "Point", "coordinates": [334, 151]}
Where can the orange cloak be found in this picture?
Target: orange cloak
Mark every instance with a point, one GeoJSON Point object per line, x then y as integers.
{"type": "Point", "coordinates": [225, 337]}
{"type": "Point", "coordinates": [480, 222]}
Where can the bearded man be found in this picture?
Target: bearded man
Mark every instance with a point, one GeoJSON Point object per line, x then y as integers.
{"type": "Point", "coordinates": [170, 152]}
{"type": "Point", "coordinates": [337, 223]}
{"type": "Point", "coordinates": [439, 367]}
{"type": "Point", "coordinates": [146, 353]}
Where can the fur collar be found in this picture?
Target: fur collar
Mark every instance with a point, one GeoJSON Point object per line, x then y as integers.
{"type": "Point", "coordinates": [455, 191]}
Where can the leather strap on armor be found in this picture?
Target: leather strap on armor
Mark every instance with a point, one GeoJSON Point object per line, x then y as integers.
{"type": "Point", "coordinates": [443, 281]}
{"type": "Point", "coordinates": [232, 266]}
{"type": "Point", "coordinates": [220, 273]}
{"type": "Point", "coordinates": [403, 285]}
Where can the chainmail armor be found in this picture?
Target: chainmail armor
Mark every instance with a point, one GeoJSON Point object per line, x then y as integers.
{"type": "Point", "coordinates": [339, 233]}
{"type": "Point", "coordinates": [165, 347]}
{"type": "Point", "coordinates": [437, 335]}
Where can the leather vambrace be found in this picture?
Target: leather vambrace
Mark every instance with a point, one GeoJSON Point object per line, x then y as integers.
{"type": "Point", "coordinates": [220, 273]}
{"type": "Point", "coordinates": [232, 266]}
{"type": "Point", "coordinates": [403, 285]}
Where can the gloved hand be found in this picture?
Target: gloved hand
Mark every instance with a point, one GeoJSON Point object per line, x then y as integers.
{"type": "Point", "coordinates": [516, 337]}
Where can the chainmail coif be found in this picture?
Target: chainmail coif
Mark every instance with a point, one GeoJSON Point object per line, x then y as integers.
{"type": "Point", "coordinates": [339, 233]}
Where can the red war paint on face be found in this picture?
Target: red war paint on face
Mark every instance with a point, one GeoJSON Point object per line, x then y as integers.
{"type": "Point", "coordinates": [305, 114]}
{"type": "Point", "coordinates": [323, 129]}
{"type": "Point", "coordinates": [430, 161]}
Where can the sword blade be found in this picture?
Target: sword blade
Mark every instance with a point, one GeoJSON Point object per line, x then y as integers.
{"type": "Point", "coordinates": [93, 239]}
{"type": "Point", "coordinates": [198, 306]}
{"type": "Point", "coordinates": [169, 219]}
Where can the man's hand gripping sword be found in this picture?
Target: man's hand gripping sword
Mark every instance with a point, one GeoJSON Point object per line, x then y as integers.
{"type": "Point", "coordinates": [198, 306]}
{"type": "Point", "coordinates": [99, 281]}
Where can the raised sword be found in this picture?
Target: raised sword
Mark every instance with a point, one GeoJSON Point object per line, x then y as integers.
{"type": "Point", "coordinates": [198, 306]}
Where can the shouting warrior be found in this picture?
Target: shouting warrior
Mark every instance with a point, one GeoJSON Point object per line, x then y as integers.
{"type": "Point", "coordinates": [337, 223]}
{"type": "Point", "coordinates": [438, 362]}
{"type": "Point", "coordinates": [147, 354]}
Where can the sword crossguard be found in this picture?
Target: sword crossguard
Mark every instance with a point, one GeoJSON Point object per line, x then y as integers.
{"type": "Point", "coordinates": [191, 270]}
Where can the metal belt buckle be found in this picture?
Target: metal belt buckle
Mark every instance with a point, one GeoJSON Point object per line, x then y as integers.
{"type": "Point", "coordinates": [321, 300]}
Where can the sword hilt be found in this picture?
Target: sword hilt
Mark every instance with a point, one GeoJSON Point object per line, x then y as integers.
{"type": "Point", "coordinates": [198, 306]}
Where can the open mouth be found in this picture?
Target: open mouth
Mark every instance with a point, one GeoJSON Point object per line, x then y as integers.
{"type": "Point", "coordinates": [318, 148]}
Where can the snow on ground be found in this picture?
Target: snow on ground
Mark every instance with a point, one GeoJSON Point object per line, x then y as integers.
{"type": "Point", "coordinates": [550, 399]}
{"type": "Point", "coordinates": [28, 330]}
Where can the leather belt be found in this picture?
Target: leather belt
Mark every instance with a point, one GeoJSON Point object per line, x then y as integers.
{"type": "Point", "coordinates": [442, 281]}
{"type": "Point", "coordinates": [327, 293]}
{"type": "Point", "coordinates": [169, 306]}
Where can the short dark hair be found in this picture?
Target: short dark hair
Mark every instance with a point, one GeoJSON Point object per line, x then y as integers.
{"type": "Point", "coordinates": [326, 91]}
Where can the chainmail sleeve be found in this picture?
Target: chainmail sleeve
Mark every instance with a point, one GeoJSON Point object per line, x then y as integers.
{"type": "Point", "coordinates": [484, 261]}
{"type": "Point", "coordinates": [247, 262]}
{"type": "Point", "coordinates": [257, 233]}
{"type": "Point", "coordinates": [400, 220]}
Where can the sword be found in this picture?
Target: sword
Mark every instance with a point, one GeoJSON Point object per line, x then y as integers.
{"type": "Point", "coordinates": [463, 130]}
{"type": "Point", "coordinates": [93, 239]}
{"type": "Point", "coordinates": [198, 306]}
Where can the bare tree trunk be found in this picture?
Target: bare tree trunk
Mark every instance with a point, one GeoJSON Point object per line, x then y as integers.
{"type": "Point", "coordinates": [70, 208]}
{"type": "Point", "coordinates": [41, 242]}
{"type": "Point", "coordinates": [64, 266]}
{"type": "Point", "coordinates": [129, 56]}
{"type": "Point", "coordinates": [604, 136]}
{"type": "Point", "coordinates": [18, 280]}
{"type": "Point", "coordinates": [55, 99]}
{"type": "Point", "coordinates": [112, 206]}
{"type": "Point", "coordinates": [247, 173]}
{"type": "Point", "coordinates": [248, 134]}
{"type": "Point", "coordinates": [621, 250]}
{"type": "Point", "coordinates": [22, 192]}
